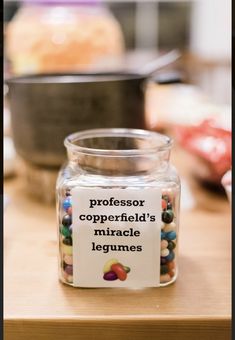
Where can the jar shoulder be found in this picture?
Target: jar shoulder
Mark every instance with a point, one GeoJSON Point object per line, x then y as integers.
{"type": "Point", "coordinates": [69, 177]}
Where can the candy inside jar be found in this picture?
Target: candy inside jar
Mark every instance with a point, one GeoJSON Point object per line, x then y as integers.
{"type": "Point", "coordinates": [102, 173]}
{"type": "Point", "coordinates": [169, 231]}
{"type": "Point", "coordinates": [66, 239]}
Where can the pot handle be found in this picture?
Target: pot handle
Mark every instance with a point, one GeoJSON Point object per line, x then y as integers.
{"type": "Point", "coordinates": [164, 60]}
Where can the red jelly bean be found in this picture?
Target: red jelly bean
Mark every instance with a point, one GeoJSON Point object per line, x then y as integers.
{"type": "Point", "coordinates": [120, 271]}
{"type": "Point", "coordinates": [69, 210]}
{"type": "Point", "coordinates": [164, 204]}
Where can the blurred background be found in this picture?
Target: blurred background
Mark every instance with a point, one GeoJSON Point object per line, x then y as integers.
{"type": "Point", "coordinates": [189, 98]}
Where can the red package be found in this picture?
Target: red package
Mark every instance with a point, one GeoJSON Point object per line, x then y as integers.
{"type": "Point", "coordinates": [211, 144]}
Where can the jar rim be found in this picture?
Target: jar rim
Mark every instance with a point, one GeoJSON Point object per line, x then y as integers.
{"type": "Point", "coordinates": [157, 142]}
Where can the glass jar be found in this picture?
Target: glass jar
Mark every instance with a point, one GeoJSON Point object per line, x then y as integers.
{"type": "Point", "coordinates": [118, 210]}
{"type": "Point", "coordinates": [47, 36]}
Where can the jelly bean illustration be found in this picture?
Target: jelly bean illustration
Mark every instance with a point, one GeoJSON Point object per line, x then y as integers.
{"type": "Point", "coordinates": [108, 264]}
{"type": "Point", "coordinates": [127, 269]}
{"type": "Point", "coordinates": [120, 271]}
{"type": "Point", "coordinates": [114, 270]}
{"type": "Point", "coordinates": [110, 276]}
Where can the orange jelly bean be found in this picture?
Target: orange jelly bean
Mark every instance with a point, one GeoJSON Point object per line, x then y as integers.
{"type": "Point", "coordinates": [171, 265]}
{"type": "Point", "coordinates": [171, 273]}
{"type": "Point", "coordinates": [118, 269]}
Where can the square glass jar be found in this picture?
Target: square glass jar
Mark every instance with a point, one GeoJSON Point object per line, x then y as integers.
{"type": "Point", "coordinates": [112, 185]}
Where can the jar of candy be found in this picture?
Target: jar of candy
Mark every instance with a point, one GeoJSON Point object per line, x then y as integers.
{"type": "Point", "coordinates": [47, 36]}
{"type": "Point", "coordinates": [118, 210]}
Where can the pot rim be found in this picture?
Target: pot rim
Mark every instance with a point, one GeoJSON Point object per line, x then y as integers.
{"type": "Point", "coordinates": [68, 78]}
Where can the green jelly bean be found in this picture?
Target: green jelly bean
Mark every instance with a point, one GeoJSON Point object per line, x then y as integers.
{"type": "Point", "coordinates": [65, 231]}
{"type": "Point", "coordinates": [167, 216]}
{"type": "Point", "coordinates": [127, 269]}
{"type": "Point", "coordinates": [171, 245]}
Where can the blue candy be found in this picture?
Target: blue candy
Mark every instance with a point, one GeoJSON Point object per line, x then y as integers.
{"type": "Point", "coordinates": [171, 235]}
{"type": "Point", "coordinates": [170, 257]}
{"type": "Point", "coordinates": [67, 203]}
{"type": "Point", "coordinates": [163, 235]}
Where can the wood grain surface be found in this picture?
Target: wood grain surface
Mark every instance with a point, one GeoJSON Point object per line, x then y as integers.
{"type": "Point", "coordinates": [38, 307]}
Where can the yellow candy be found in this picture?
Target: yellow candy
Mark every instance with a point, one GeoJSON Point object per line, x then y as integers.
{"type": "Point", "coordinates": [67, 250]}
{"type": "Point", "coordinates": [70, 278]}
{"type": "Point", "coordinates": [108, 264]}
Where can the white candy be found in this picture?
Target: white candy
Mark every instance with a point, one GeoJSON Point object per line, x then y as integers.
{"type": "Point", "coordinates": [164, 244]}
{"type": "Point", "coordinates": [165, 252]}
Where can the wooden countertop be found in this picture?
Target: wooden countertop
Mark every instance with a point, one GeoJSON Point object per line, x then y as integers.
{"type": "Point", "coordinates": [39, 307]}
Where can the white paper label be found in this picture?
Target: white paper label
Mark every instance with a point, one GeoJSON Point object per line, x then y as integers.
{"type": "Point", "coordinates": [119, 224]}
